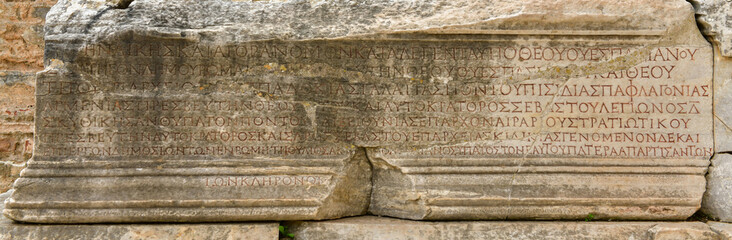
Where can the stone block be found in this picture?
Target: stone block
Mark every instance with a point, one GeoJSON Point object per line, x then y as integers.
{"type": "Point", "coordinates": [298, 110]}
{"type": "Point", "coordinates": [244, 231]}
{"type": "Point", "coordinates": [718, 197]}
{"type": "Point", "coordinates": [10, 230]}
{"type": "Point", "coordinates": [724, 230]}
{"type": "Point", "coordinates": [370, 227]}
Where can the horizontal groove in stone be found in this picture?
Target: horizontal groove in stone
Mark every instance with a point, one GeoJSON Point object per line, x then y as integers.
{"type": "Point", "coordinates": [556, 170]}
{"type": "Point", "coordinates": [219, 203]}
{"type": "Point", "coordinates": [564, 202]}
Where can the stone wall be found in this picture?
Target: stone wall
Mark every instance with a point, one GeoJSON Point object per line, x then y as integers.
{"type": "Point", "coordinates": [21, 55]}
{"type": "Point", "coordinates": [366, 167]}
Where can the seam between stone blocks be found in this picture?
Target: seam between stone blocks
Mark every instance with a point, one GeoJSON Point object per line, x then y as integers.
{"type": "Point", "coordinates": [701, 28]}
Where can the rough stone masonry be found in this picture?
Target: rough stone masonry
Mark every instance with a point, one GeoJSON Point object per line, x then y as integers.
{"type": "Point", "coordinates": [21, 56]}
{"type": "Point", "coordinates": [180, 111]}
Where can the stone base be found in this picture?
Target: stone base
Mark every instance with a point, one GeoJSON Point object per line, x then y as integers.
{"type": "Point", "coordinates": [253, 231]}
{"type": "Point", "coordinates": [11, 230]}
{"type": "Point", "coordinates": [371, 227]}
{"type": "Point", "coordinates": [240, 190]}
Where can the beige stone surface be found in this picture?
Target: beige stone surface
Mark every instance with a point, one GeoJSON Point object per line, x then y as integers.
{"type": "Point", "coordinates": [371, 227]}
{"type": "Point", "coordinates": [244, 231]}
{"type": "Point", "coordinates": [724, 230]}
{"type": "Point", "coordinates": [717, 202]}
{"type": "Point", "coordinates": [722, 102]}
{"type": "Point", "coordinates": [278, 110]}
{"type": "Point", "coordinates": [713, 18]}
{"type": "Point", "coordinates": [254, 231]}
{"type": "Point", "coordinates": [546, 171]}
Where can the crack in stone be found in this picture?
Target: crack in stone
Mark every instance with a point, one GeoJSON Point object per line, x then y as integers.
{"type": "Point", "coordinates": [373, 175]}
{"type": "Point", "coordinates": [722, 121]}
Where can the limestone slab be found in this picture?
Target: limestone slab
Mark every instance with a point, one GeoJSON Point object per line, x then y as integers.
{"type": "Point", "coordinates": [371, 227]}
{"type": "Point", "coordinates": [553, 170]}
{"type": "Point", "coordinates": [718, 197]}
{"type": "Point", "coordinates": [295, 110]}
{"type": "Point", "coordinates": [244, 231]}
{"type": "Point", "coordinates": [724, 230]}
{"type": "Point", "coordinates": [254, 231]}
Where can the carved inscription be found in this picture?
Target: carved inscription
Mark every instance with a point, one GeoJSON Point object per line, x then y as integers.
{"type": "Point", "coordinates": [167, 98]}
{"type": "Point", "coordinates": [264, 181]}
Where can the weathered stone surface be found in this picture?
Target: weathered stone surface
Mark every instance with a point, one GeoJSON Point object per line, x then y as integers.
{"type": "Point", "coordinates": [244, 231]}
{"type": "Point", "coordinates": [21, 55]}
{"type": "Point", "coordinates": [16, 124]}
{"type": "Point", "coordinates": [21, 34]}
{"type": "Point", "coordinates": [724, 230]}
{"type": "Point", "coordinates": [714, 17]}
{"type": "Point", "coordinates": [200, 111]}
{"type": "Point", "coordinates": [8, 173]}
{"type": "Point", "coordinates": [717, 201]}
{"type": "Point", "coordinates": [10, 230]}
{"type": "Point", "coordinates": [387, 228]}
{"type": "Point", "coordinates": [533, 174]}
{"type": "Point", "coordinates": [722, 102]}
{"type": "Point", "coordinates": [718, 197]}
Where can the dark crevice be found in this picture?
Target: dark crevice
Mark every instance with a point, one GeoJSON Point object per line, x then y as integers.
{"type": "Point", "coordinates": [700, 216]}
{"type": "Point", "coordinates": [694, 3]}
{"type": "Point", "coordinates": [122, 4]}
{"type": "Point", "coordinates": [93, 20]}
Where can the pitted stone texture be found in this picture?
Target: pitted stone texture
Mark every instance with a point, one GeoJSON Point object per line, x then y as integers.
{"type": "Point", "coordinates": [714, 16]}
{"type": "Point", "coordinates": [363, 228]}
{"type": "Point", "coordinates": [724, 230]}
{"type": "Point", "coordinates": [718, 197]}
{"type": "Point", "coordinates": [254, 231]}
{"type": "Point", "coordinates": [253, 190]}
{"type": "Point", "coordinates": [17, 102]}
{"type": "Point", "coordinates": [259, 20]}
{"type": "Point", "coordinates": [21, 35]}
{"type": "Point", "coordinates": [21, 55]}
{"type": "Point", "coordinates": [8, 173]}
